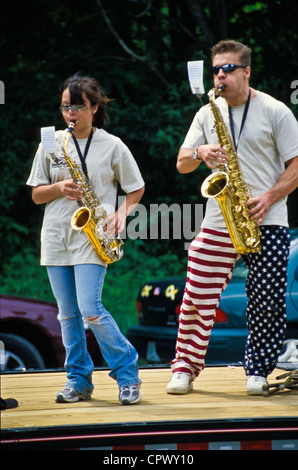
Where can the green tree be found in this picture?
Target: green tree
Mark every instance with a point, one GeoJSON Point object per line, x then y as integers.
{"type": "Point", "coordinates": [138, 50]}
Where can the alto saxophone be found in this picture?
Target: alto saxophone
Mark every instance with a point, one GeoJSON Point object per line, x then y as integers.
{"type": "Point", "coordinates": [230, 190]}
{"type": "Point", "coordinates": [90, 216]}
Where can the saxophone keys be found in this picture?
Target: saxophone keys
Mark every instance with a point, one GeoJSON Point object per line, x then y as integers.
{"type": "Point", "coordinates": [99, 231]}
{"type": "Point", "coordinates": [99, 212]}
{"type": "Point", "coordinates": [241, 196]}
{"type": "Point", "coordinates": [241, 226]}
{"type": "Point", "coordinates": [254, 244]}
{"type": "Point", "coordinates": [235, 177]}
{"type": "Point", "coordinates": [250, 241]}
{"type": "Point", "coordinates": [250, 225]}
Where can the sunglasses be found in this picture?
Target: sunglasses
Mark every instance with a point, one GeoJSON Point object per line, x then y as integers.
{"type": "Point", "coordinates": [74, 107]}
{"type": "Point", "coordinates": [227, 68]}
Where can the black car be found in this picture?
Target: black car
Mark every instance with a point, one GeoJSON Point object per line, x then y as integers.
{"type": "Point", "coordinates": [158, 307]}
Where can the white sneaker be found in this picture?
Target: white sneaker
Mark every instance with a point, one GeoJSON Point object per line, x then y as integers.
{"type": "Point", "coordinates": [254, 384]}
{"type": "Point", "coordinates": [130, 394]}
{"type": "Point", "coordinates": [180, 383]}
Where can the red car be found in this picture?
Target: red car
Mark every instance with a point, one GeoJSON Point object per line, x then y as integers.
{"type": "Point", "coordinates": [30, 335]}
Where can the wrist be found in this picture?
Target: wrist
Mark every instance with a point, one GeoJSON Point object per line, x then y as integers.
{"type": "Point", "coordinates": [195, 155]}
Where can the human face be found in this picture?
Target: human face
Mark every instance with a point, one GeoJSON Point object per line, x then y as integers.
{"type": "Point", "coordinates": [83, 117]}
{"type": "Point", "coordinates": [236, 83]}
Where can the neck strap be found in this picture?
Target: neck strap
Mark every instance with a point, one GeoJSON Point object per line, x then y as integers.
{"type": "Point", "coordinates": [83, 157]}
{"type": "Point", "coordinates": [242, 122]}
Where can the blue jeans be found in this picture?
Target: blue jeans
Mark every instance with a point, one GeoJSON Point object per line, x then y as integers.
{"type": "Point", "coordinates": [77, 290]}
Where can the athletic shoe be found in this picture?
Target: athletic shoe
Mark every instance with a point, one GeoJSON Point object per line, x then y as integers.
{"type": "Point", "coordinates": [180, 383]}
{"type": "Point", "coordinates": [254, 384]}
{"type": "Point", "coordinates": [70, 395]}
{"type": "Point", "coordinates": [129, 395]}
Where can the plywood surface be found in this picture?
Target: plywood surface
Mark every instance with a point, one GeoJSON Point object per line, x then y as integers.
{"type": "Point", "coordinates": [219, 393]}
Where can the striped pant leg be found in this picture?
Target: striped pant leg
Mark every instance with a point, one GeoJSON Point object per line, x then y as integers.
{"type": "Point", "coordinates": [211, 260]}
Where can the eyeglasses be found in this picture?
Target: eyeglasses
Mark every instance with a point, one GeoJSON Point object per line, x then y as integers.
{"type": "Point", "coordinates": [227, 68]}
{"type": "Point", "coordinates": [74, 107]}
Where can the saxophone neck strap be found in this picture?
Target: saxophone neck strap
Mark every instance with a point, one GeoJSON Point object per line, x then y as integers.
{"type": "Point", "coordinates": [83, 157]}
{"type": "Point", "coordinates": [242, 122]}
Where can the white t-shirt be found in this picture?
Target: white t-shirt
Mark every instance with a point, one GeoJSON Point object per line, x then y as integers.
{"type": "Point", "coordinates": [109, 162]}
{"type": "Point", "coordinates": [269, 138]}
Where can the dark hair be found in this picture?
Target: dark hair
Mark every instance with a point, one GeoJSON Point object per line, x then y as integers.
{"type": "Point", "coordinates": [78, 85]}
{"type": "Point", "coordinates": [233, 46]}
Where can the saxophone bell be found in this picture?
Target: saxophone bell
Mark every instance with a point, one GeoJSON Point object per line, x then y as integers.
{"type": "Point", "coordinates": [109, 249]}
{"type": "Point", "coordinates": [215, 184]}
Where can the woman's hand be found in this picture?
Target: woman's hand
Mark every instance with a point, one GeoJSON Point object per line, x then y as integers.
{"type": "Point", "coordinates": [70, 189]}
{"type": "Point", "coordinates": [114, 223]}
{"type": "Point", "coordinates": [48, 192]}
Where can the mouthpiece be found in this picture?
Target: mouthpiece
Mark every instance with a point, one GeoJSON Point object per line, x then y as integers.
{"type": "Point", "coordinates": [220, 89]}
{"type": "Point", "coordinates": [71, 126]}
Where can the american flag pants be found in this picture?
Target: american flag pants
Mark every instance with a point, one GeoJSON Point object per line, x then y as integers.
{"type": "Point", "coordinates": [211, 261]}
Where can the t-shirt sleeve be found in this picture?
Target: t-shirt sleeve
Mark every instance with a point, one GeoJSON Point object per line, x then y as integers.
{"type": "Point", "coordinates": [126, 169]}
{"type": "Point", "coordinates": [40, 171]}
{"type": "Point", "coordinates": [196, 133]}
{"type": "Point", "coordinates": [286, 137]}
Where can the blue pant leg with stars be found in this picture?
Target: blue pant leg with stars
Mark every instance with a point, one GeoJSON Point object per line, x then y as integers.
{"type": "Point", "coordinates": [266, 300]}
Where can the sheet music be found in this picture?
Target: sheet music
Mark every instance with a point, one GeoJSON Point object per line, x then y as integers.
{"type": "Point", "coordinates": [48, 139]}
{"type": "Point", "coordinates": [195, 70]}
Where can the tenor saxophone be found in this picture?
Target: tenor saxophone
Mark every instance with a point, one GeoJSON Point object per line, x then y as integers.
{"type": "Point", "coordinates": [228, 186]}
{"type": "Point", "coordinates": [90, 215]}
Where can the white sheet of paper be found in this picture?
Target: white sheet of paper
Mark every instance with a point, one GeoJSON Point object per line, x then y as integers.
{"type": "Point", "coordinates": [195, 70]}
{"type": "Point", "coordinates": [48, 139]}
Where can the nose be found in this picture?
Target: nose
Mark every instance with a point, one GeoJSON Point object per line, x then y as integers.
{"type": "Point", "coordinates": [71, 111]}
{"type": "Point", "coordinates": [221, 73]}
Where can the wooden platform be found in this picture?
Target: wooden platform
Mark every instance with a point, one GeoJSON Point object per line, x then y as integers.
{"type": "Point", "coordinates": [218, 403]}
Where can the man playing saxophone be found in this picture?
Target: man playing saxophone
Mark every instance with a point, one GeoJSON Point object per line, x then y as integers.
{"type": "Point", "coordinates": [75, 270]}
{"type": "Point", "coordinates": [265, 137]}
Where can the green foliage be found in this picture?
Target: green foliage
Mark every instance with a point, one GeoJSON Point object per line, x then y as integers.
{"type": "Point", "coordinates": [143, 68]}
{"type": "Point", "coordinates": [25, 277]}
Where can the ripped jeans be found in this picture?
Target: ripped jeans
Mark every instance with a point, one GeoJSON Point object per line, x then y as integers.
{"type": "Point", "coordinates": [77, 290]}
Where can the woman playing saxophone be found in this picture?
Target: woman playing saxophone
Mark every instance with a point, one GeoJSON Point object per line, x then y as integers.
{"type": "Point", "coordinates": [75, 270]}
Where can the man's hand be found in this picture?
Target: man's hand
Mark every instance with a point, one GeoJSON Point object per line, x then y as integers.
{"type": "Point", "coordinates": [258, 207]}
{"type": "Point", "coordinates": [212, 155]}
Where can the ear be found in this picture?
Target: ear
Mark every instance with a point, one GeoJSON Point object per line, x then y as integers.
{"type": "Point", "coordinates": [247, 72]}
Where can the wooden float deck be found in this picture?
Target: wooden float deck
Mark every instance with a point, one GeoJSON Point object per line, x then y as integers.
{"type": "Point", "coordinates": [219, 395]}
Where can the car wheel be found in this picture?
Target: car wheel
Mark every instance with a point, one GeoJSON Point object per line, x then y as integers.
{"type": "Point", "coordinates": [18, 353]}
